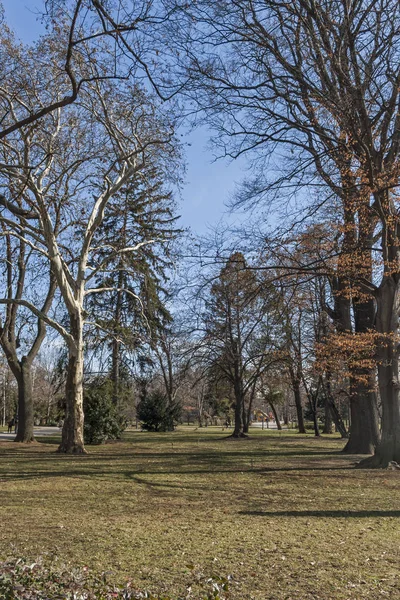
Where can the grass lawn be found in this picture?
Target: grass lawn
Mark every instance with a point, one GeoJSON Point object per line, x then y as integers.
{"type": "Point", "coordinates": [286, 515]}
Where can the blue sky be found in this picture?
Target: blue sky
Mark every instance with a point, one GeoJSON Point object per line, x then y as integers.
{"type": "Point", "coordinates": [209, 184]}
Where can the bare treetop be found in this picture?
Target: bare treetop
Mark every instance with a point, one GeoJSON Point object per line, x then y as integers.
{"type": "Point", "coordinates": [93, 41]}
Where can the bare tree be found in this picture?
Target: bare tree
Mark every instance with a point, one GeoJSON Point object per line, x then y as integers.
{"type": "Point", "coordinates": [21, 333]}
{"type": "Point", "coordinates": [92, 41]}
{"type": "Point", "coordinates": [73, 163]}
{"type": "Point", "coordinates": [321, 81]}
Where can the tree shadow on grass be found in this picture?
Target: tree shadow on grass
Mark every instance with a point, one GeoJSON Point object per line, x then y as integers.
{"type": "Point", "coordinates": [61, 469]}
{"type": "Point", "coordinates": [214, 457]}
{"type": "Point", "coordinates": [359, 514]}
{"type": "Point", "coordinates": [125, 464]}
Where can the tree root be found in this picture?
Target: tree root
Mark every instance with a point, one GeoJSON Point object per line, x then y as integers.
{"type": "Point", "coordinates": [373, 462]}
{"type": "Point", "coordinates": [75, 449]}
{"type": "Point", "coordinates": [238, 436]}
{"type": "Point", "coordinates": [352, 447]}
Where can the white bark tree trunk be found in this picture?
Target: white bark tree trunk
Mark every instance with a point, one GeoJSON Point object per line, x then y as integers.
{"type": "Point", "coordinates": [72, 441]}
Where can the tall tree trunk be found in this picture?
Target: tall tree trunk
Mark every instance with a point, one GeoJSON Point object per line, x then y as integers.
{"type": "Point", "coordinates": [238, 426]}
{"type": "Point", "coordinates": [25, 403]}
{"type": "Point", "coordinates": [388, 304]}
{"type": "Point", "coordinates": [247, 413]}
{"type": "Point", "coordinates": [364, 425]}
{"type": "Point", "coordinates": [72, 433]}
{"type": "Point", "coordinates": [328, 424]}
{"type": "Point", "coordinates": [364, 430]}
{"type": "Point", "coordinates": [22, 369]}
{"type": "Point", "coordinates": [286, 413]}
{"type": "Point", "coordinates": [299, 406]}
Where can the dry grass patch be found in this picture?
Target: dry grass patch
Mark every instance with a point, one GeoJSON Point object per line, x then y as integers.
{"type": "Point", "coordinates": [286, 515]}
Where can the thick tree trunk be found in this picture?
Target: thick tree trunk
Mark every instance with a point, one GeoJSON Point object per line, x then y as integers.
{"type": "Point", "coordinates": [299, 407]}
{"type": "Point", "coordinates": [286, 414]}
{"type": "Point", "coordinates": [364, 427]}
{"type": "Point", "coordinates": [388, 449]}
{"type": "Point", "coordinates": [25, 403]}
{"type": "Point", "coordinates": [313, 406]}
{"type": "Point", "coordinates": [72, 434]}
{"type": "Point", "coordinates": [247, 413]}
{"type": "Point", "coordinates": [238, 427]}
{"type": "Point", "coordinates": [328, 424]}
{"type": "Point", "coordinates": [239, 401]}
{"type": "Point", "coordinates": [364, 430]}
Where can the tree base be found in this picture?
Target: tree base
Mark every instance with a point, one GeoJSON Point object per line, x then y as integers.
{"type": "Point", "coordinates": [73, 449]}
{"type": "Point", "coordinates": [373, 462]}
{"type": "Point", "coordinates": [238, 436]}
{"type": "Point", "coordinates": [354, 448]}
{"type": "Point", "coordinates": [25, 440]}
{"type": "Point", "coordinates": [385, 455]}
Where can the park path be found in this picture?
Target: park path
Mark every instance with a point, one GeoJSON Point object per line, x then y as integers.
{"type": "Point", "coordinates": [271, 425]}
{"type": "Point", "coordinates": [38, 432]}
{"type": "Point", "coordinates": [44, 431]}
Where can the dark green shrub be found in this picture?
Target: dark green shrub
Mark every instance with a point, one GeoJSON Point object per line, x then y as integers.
{"type": "Point", "coordinates": [102, 421]}
{"type": "Point", "coordinates": [157, 414]}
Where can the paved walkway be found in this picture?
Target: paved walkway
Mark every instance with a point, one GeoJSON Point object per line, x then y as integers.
{"type": "Point", "coordinates": [38, 432]}
{"type": "Point", "coordinates": [43, 431]}
{"type": "Point", "coordinates": [271, 425]}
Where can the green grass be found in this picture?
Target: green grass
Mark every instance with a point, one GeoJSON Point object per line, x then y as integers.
{"type": "Point", "coordinates": [286, 515]}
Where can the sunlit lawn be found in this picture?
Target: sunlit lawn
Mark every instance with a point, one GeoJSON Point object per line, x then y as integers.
{"type": "Point", "coordinates": [286, 515]}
